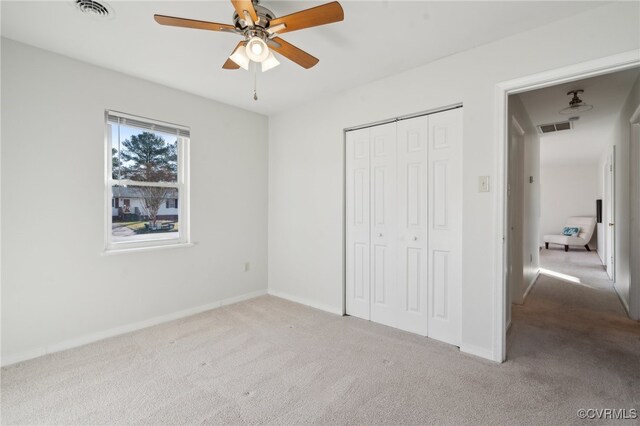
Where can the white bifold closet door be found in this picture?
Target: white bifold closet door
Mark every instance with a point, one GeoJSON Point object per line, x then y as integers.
{"type": "Point", "coordinates": [403, 216]}
{"type": "Point", "coordinates": [384, 233]}
{"type": "Point", "coordinates": [358, 223]}
{"type": "Point", "coordinates": [412, 224]}
{"type": "Point", "coordinates": [445, 226]}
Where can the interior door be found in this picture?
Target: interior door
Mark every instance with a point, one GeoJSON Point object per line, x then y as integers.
{"type": "Point", "coordinates": [412, 224]}
{"type": "Point", "coordinates": [357, 223]}
{"type": "Point", "coordinates": [610, 198]}
{"type": "Point", "coordinates": [445, 226]}
{"type": "Point", "coordinates": [384, 235]}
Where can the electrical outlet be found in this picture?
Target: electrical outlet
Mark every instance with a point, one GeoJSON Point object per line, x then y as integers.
{"type": "Point", "coordinates": [247, 266]}
{"type": "Point", "coordinates": [483, 184]}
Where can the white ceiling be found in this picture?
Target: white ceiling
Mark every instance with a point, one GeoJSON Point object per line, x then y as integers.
{"type": "Point", "coordinates": [376, 39]}
{"type": "Point", "coordinates": [591, 134]}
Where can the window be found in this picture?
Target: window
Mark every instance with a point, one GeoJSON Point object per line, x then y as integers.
{"type": "Point", "coordinates": [146, 182]}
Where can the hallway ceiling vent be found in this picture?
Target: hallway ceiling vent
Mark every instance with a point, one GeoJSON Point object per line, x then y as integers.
{"type": "Point", "coordinates": [543, 129]}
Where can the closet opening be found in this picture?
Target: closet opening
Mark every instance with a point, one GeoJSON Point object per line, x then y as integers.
{"type": "Point", "coordinates": [403, 220]}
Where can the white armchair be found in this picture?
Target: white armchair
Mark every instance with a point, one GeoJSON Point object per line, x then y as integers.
{"type": "Point", "coordinates": [587, 225]}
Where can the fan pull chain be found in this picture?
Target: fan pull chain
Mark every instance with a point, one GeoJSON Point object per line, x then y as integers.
{"type": "Point", "coordinates": [255, 89]}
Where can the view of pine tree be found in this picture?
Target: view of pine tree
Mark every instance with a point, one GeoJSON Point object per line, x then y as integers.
{"type": "Point", "coordinates": [115, 163]}
{"type": "Point", "coordinates": [148, 158]}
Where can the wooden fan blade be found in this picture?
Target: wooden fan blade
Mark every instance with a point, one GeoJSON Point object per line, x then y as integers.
{"type": "Point", "coordinates": [192, 23]}
{"type": "Point", "coordinates": [242, 5]}
{"type": "Point", "coordinates": [320, 15]}
{"type": "Point", "coordinates": [230, 65]}
{"type": "Point", "coordinates": [291, 52]}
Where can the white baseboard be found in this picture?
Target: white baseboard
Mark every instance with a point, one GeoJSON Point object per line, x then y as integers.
{"type": "Point", "coordinates": [303, 301]}
{"type": "Point", "coordinates": [479, 352]}
{"type": "Point", "coordinates": [530, 286]}
{"type": "Point", "coordinates": [94, 337]}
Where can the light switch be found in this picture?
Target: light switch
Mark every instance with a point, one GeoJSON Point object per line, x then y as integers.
{"type": "Point", "coordinates": [483, 182]}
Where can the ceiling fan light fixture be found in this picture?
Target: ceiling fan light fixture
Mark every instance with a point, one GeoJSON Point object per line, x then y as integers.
{"type": "Point", "coordinates": [576, 109]}
{"type": "Point", "coordinates": [576, 105]}
{"type": "Point", "coordinates": [257, 49]}
{"type": "Point", "coordinates": [270, 62]}
{"type": "Point", "coordinates": [258, 26]}
{"type": "Point", "coordinates": [239, 56]}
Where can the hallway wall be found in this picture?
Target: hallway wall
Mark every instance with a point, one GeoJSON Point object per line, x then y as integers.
{"type": "Point", "coordinates": [620, 138]}
{"type": "Point", "coordinates": [568, 190]}
{"type": "Point", "coordinates": [524, 199]}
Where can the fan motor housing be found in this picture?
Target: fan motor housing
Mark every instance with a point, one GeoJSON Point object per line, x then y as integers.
{"type": "Point", "coordinates": [264, 16]}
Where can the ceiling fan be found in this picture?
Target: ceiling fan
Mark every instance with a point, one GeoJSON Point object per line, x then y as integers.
{"type": "Point", "coordinates": [260, 30]}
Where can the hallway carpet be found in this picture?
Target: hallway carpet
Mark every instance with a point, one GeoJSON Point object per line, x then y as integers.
{"type": "Point", "coordinates": [270, 361]}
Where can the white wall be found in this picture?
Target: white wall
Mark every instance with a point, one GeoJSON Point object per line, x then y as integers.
{"type": "Point", "coordinates": [57, 287]}
{"type": "Point", "coordinates": [306, 143]}
{"type": "Point", "coordinates": [525, 202]}
{"type": "Point", "coordinates": [569, 190]}
{"type": "Point", "coordinates": [531, 210]}
{"type": "Point", "coordinates": [515, 216]}
{"type": "Point", "coordinates": [620, 138]}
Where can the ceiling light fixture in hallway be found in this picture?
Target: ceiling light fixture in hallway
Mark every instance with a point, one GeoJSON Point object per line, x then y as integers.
{"type": "Point", "coordinates": [576, 105]}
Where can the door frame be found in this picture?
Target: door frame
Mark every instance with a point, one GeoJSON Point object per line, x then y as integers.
{"type": "Point", "coordinates": [634, 147]}
{"type": "Point", "coordinates": [593, 68]}
{"type": "Point", "coordinates": [610, 198]}
{"type": "Point", "coordinates": [511, 198]}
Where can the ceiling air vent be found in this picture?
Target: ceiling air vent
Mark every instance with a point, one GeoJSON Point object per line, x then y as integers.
{"type": "Point", "coordinates": [543, 129]}
{"type": "Point", "coordinates": [92, 7]}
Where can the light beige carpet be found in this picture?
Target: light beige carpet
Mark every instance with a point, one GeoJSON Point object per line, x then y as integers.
{"type": "Point", "coordinates": [270, 361]}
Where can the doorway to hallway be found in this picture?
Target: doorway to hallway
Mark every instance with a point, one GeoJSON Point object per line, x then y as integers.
{"type": "Point", "coordinates": [569, 214]}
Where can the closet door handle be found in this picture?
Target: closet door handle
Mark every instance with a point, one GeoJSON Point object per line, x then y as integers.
{"type": "Point", "coordinates": [415, 238]}
{"type": "Point", "coordinates": [380, 234]}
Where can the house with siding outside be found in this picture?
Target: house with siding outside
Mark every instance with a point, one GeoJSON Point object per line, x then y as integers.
{"type": "Point", "coordinates": [127, 204]}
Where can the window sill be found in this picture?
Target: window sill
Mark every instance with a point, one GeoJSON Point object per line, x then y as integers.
{"type": "Point", "coordinates": [116, 251]}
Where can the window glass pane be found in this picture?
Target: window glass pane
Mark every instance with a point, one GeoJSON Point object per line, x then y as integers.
{"type": "Point", "coordinates": [143, 155]}
{"type": "Point", "coordinates": [143, 213]}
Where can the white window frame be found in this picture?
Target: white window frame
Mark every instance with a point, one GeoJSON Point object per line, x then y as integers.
{"type": "Point", "coordinates": [182, 185]}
